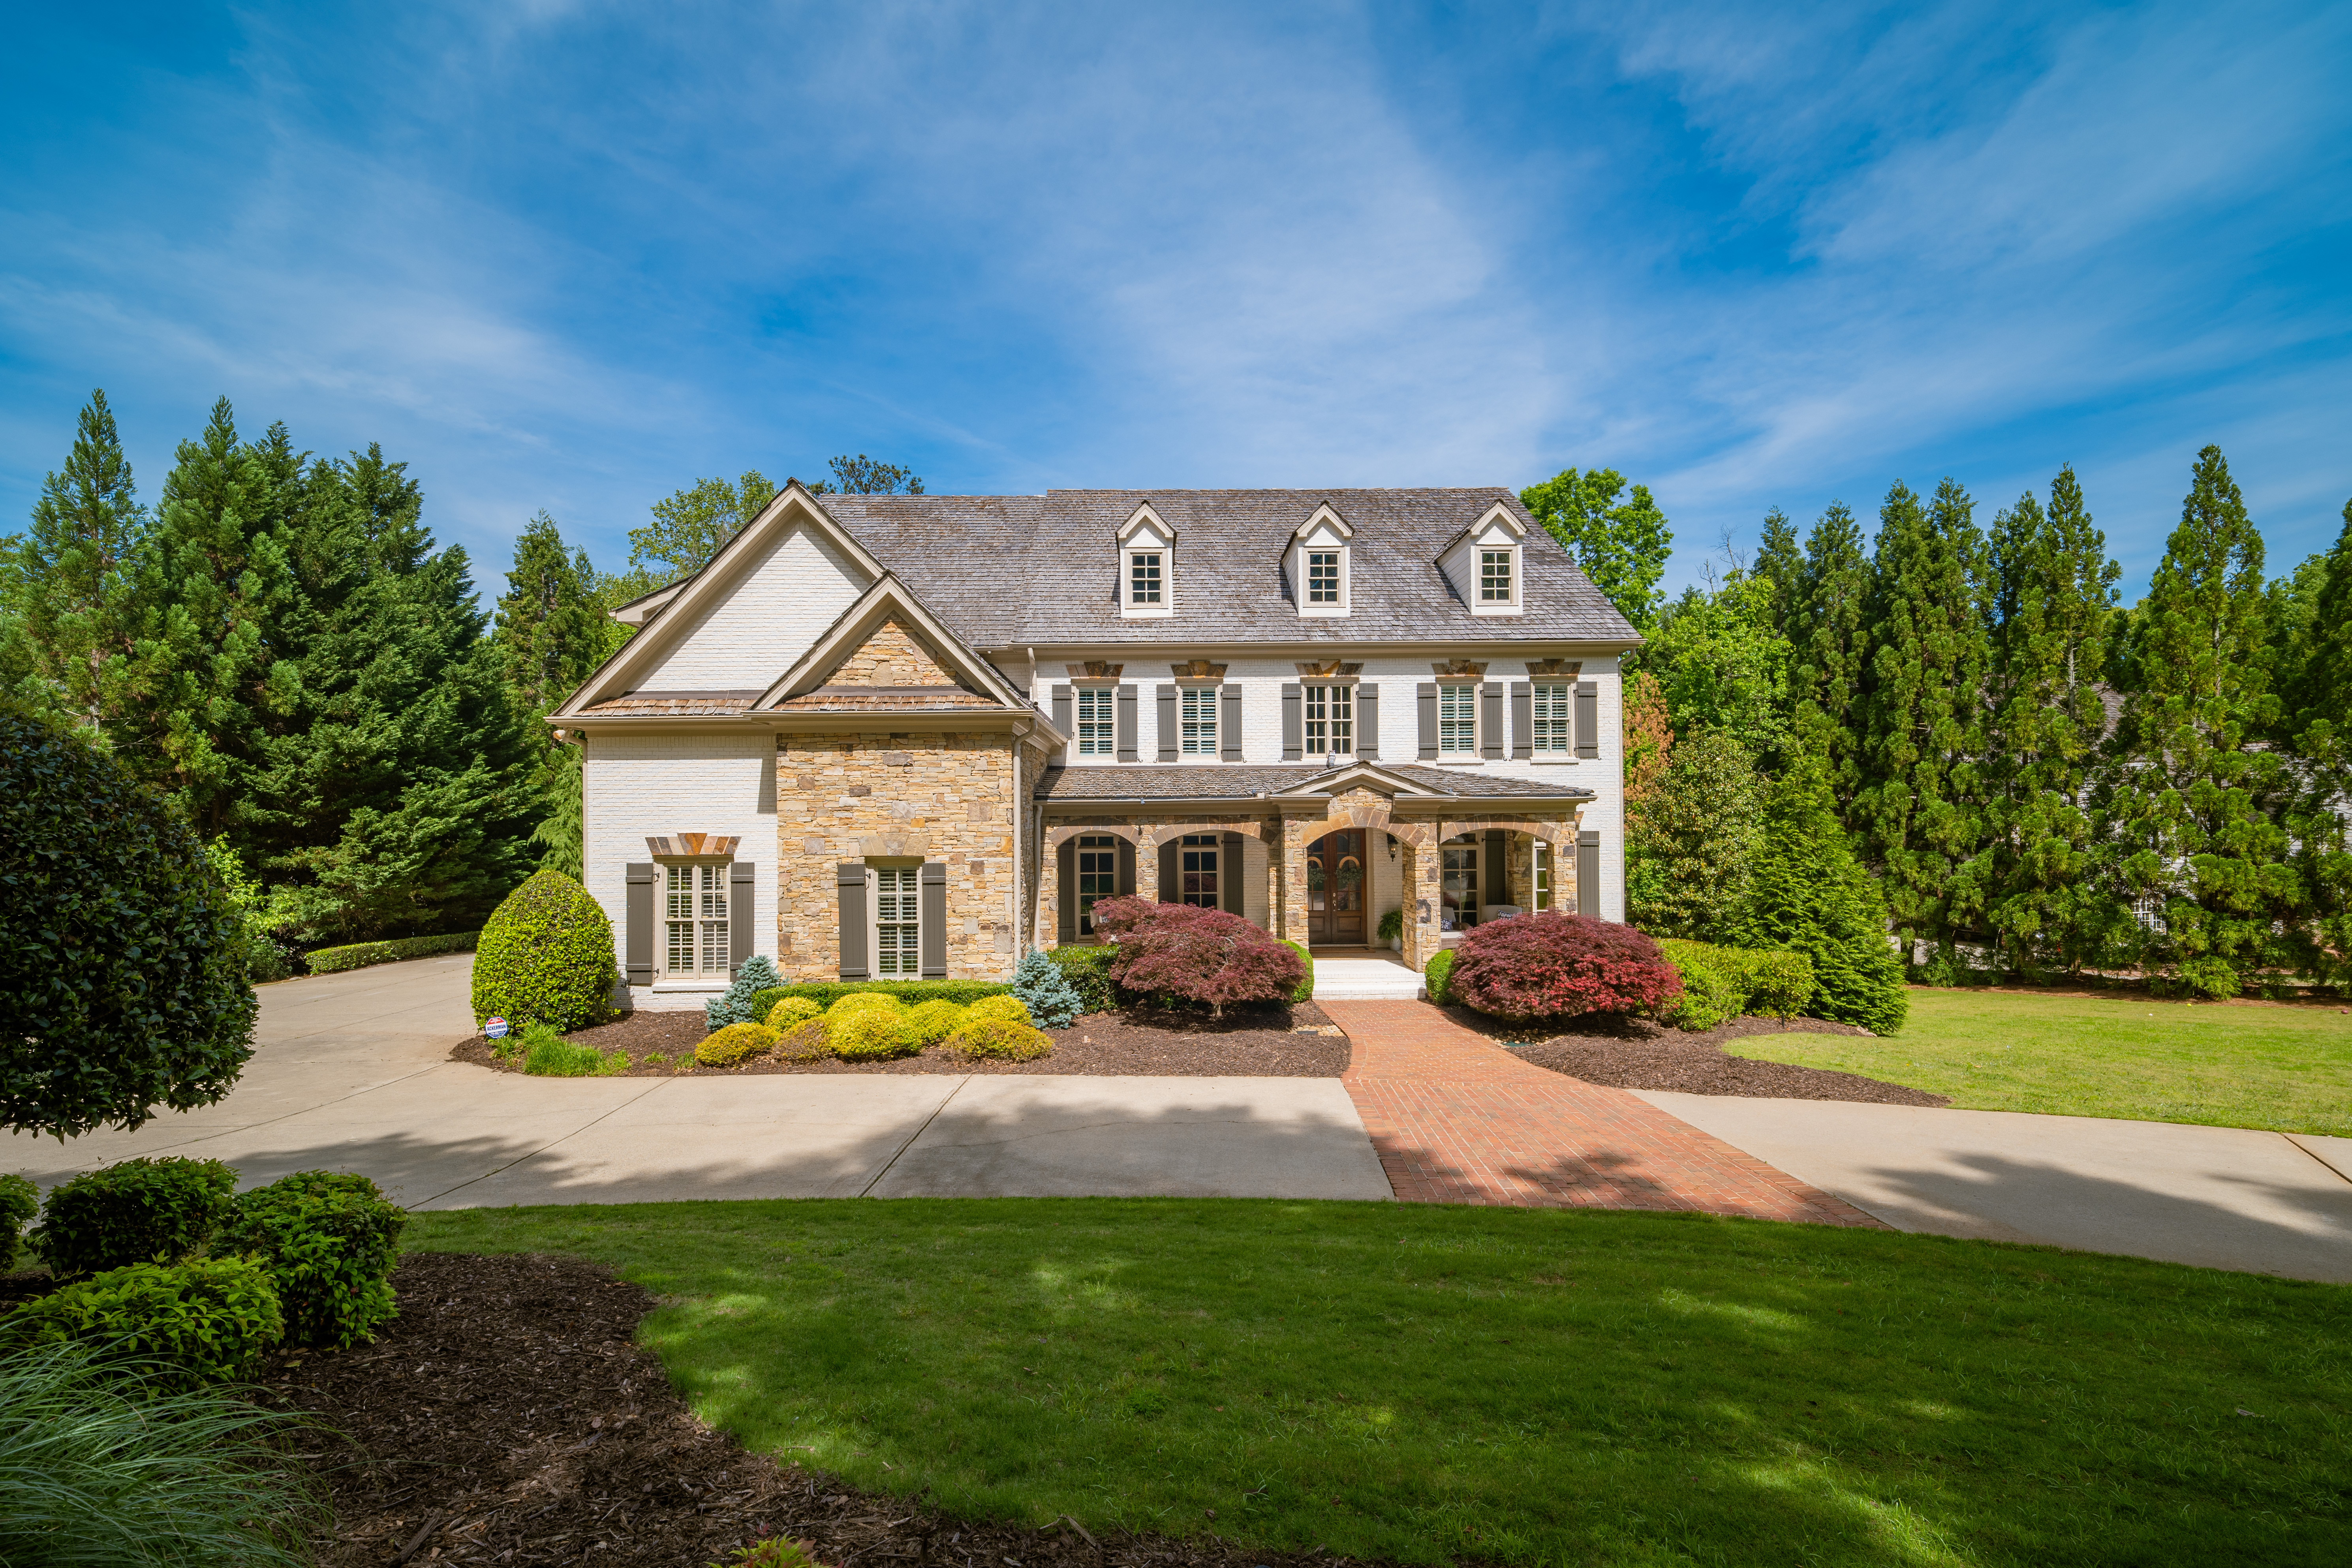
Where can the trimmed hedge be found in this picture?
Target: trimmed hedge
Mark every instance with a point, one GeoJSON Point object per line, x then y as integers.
{"type": "Point", "coordinates": [874, 1034]}
{"type": "Point", "coordinates": [1087, 969]}
{"type": "Point", "coordinates": [546, 956]}
{"type": "Point", "coordinates": [360, 954]}
{"type": "Point", "coordinates": [1437, 976]}
{"type": "Point", "coordinates": [1723, 982]}
{"type": "Point", "coordinates": [135, 1211]}
{"type": "Point", "coordinates": [191, 1323]}
{"type": "Point", "coordinates": [330, 1239]}
{"type": "Point", "coordinates": [826, 993]}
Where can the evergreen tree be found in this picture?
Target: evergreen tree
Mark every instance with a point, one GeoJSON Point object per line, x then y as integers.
{"type": "Point", "coordinates": [2315, 632]}
{"type": "Point", "coordinates": [69, 578]}
{"type": "Point", "coordinates": [690, 525]}
{"type": "Point", "coordinates": [1829, 646]}
{"type": "Point", "coordinates": [2191, 805]}
{"type": "Point", "coordinates": [1690, 843]}
{"type": "Point", "coordinates": [1780, 561]}
{"type": "Point", "coordinates": [2053, 597]}
{"type": "Point", "coordinates": [551, 625]}
{"type": "Point", "coordinates": [1621, 545]}
{"type": "Point", "coordinates": [1809, 893]}
{"type": "Point", "coordinates": [1920, 807]}
{"type": "Point", "coordinates": [865, 475]}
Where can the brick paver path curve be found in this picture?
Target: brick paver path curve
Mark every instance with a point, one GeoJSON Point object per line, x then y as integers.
{"type": "Point", "coordinates": [1458, 1120]}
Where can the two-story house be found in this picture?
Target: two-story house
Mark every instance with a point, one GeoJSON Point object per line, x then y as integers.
{"type": "Point", "coordinates": [916, 736]}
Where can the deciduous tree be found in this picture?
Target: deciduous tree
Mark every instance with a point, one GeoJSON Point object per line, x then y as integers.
{"type": "Point", "coordinates": [1621, 544]}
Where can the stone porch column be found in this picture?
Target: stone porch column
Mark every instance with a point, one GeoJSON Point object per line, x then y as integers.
{"type": "Point", "coordinates": [1294, 878]}
{"type": "Point", "coordinates": [1048, 924]}
{"type": "Point", "coordinates": [1423, 874]}
{"type": "Point", "coordinates": [1147, 861]}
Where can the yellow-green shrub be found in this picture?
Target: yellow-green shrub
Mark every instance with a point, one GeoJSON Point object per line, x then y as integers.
{"type": "Point", "coordinates": [864, 1001]}
{"type": "Point", "coordinates": [731, 1045]}
{"type": "Point", "coordinates": [805, 1041]}
{"type": "Point", "coordinates": [935, 1021]}
{"type": "Point", "coordinates": [1011, 1009]}
{"type": "Point", "coordinates": [792, 1012]}
{"type": "Point", "coordinates": [870, 1034]}
{"type": "Point", "coordinates": [1000, 1040]}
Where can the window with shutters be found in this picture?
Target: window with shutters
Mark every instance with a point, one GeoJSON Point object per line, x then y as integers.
{"type": "Point", "coordinates": [1098, 876]}
{"type": "Point", "coordinates": [694, 918]}
{"type": "Point", "coordinates": [1552, 719]}
{"type": "Point", "coordinates": [898, 920]}
{"type": "Point", "coordinates": [1457, 720]}
{"type": "Point", "coordinates": [1142, 577]}
{"type": "Point", "coordinates": [1200, 721]}
{"type": "Point", "coordinates": [1330, 720]}
{"type": "Point", "coordinates": [1097, 721]}
{"type": "Point", "coordinates": [1196, 869]}
{"type": "Point", "coordinates": [1322, 577]}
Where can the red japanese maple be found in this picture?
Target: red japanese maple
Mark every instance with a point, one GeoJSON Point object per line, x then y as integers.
{"type": "Point", "coordinates": [1556, 966]}
{"type": "Point", "coordinates": [1198, 956]}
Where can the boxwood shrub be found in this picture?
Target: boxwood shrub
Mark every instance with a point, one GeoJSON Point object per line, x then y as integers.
{"type": "Point", "coordinates": [1437, 976]}
{"type": "Point", "coordinates": [188, 1324]}
{"type": "Point", "coordinates": [1087, 969]}
{"type": "Point", "coordinates": [330, 1239]}
{"type": "Point", "coordinates": [546, 956]}
{"type": "Point", "coordinates": [360, 954]}
{"type": "Point", "coordinates": [826, 993]}
{"type": "Point", "coordinates": [1306, 971]}
{"type": "Point", "coordinates": [137, 1210]}
{"type": "Point", "coordinates": [725, 1047]}
{"type": "Point", "coordinates": [19, 1202]}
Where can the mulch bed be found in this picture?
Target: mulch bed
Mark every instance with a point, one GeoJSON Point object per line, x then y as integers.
{"type": "Point", "coordinates": [1634, 1053]}
{"type": "Point", "coordinates": [1257, 1042]}
{"type": "Point", "coordinates": [506, 1416]}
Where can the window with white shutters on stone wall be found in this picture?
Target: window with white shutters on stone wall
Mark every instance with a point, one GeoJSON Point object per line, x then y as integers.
{"type": "Point", "coordinates": [1457, 720]}
{"type": "Point", "coordinates": [694, 919]}
{"type": "Point", "coordinates": [1330, 720]}
{"type": "Point", "coordinates": [1200, 721]}
{"type": "Point", "coordinates": [1551, 718]}
{"type": "Point", "coordinates": [897, 921]}
{"type": "Point", "coordinates": [1097, 721]}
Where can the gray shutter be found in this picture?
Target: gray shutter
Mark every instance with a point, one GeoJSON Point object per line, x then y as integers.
{"type": "Point", "coordinates": [1171, 871]}
{"type": "Point", "coordinates": [1064, 702]}
{"type": "Point", "coordinates": [1587, 718]}
{"type": "Point", "coordinates": [851, 881]}
{"type": "Point", "coordinates": [740, 887]}
{"type": "Point", "coordinates": [637, 940]}
{"type": "Point", "coordinates": [933, 938]}
{"type": "Point", "coordinates": [1523, 719]}
{"type": "Point", "coordinates": [1229, 723]}
{"type": "Point", "coordinates": [1171, 736]}
{"type": "Point", "coordinates": [1425, 697]}
{"type": "Point", "coordinates": [1294, 722]}
{"type": "Point", "coordinates": [1498, 876]}
{"type": "Point", "coordinates": [1127, 723]}
{"type": "Point", "coordinates": [1588, 873]}
{"type": "Point", "coordinates": [1367, 723]}
{"type": "Point", "coordinates": [1490, 718]}
{"type": "Point", "coordinates": [1066, 927]}
{"type": "Point", "coordinates": [1229, 872]}
{"type": "Point", "coordinates": [1127, 867]}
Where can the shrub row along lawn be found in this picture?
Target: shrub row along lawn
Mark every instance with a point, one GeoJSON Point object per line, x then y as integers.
{"type": "Point", "coordinates": [2285, 1069]}
{"type": "Point", "coordinates": [1516, 1386]}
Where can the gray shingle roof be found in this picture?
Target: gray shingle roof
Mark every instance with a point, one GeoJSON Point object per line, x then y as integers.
{"type": "Point", "coordinates": [1007, 571]}
{"type": "Point", "coordinates": [1203, 780]}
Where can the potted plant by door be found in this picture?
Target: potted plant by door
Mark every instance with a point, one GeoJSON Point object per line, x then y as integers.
{"type": "Point", "coordinates": [1393, 930]}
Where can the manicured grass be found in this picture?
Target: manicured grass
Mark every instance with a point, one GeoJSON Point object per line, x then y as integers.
{"type": "Point", "coordinates": [2286, 1068]}
{"type": "Point", "coordinates": [1514, 1387]}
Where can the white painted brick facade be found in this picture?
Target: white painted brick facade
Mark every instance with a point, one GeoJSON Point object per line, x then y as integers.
{"type": "Point", "coordinates": [784, 603]}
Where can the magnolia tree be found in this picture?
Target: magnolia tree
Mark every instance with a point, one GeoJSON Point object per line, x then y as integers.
{"type": "Point", "coordinates": [1555, 965]}
{"type": "Point", "coordinates": [1200, 955]}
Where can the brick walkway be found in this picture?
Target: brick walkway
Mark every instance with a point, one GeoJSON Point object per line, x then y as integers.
{"type": "Point", "coordinates": [1458, 1120]}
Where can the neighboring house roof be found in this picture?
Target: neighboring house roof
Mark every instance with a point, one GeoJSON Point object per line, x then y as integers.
{"type": "Point", "coordinates": [1009, 571]}
{"type": "Point", "coordinates": [1231, 781]}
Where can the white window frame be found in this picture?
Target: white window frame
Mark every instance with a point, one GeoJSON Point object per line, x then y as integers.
{"type": "Point", "coordinates": [1328, 720]}
{"type": "Point", "coordinates": [691, 890]}
{"type": "Point", "coordinates": [1318, 560]}
{"type": "Point", "coordinates": [1325, 571]}
{"type": "Point", "coordinates": [1139, 563]}
{"type": "Point", "coordinates": [1540, 875]}
{"type": "Point", "coordinates": [1457, 733]}
{"type": "Point", "coordinates": [1197, 720]}
{"type": "Point", "coordinates": [1145, 540]}
{"type": "Point", "coordinates": [1494, 563]}
{"type": "Point", "coordinates": [1551, 718]}
{"type": "Point", "coordinates": [902, 884]}
{"type": "Point", "coordinates": [1096, 709]}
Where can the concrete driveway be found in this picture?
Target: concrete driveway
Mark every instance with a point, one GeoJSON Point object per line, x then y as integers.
{"type": "Point", "coordinates": [351, 1072]}
{"type": "Point", "coordinates": [2219, 1197]}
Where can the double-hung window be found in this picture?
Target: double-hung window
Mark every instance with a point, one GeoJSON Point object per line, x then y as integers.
{"type": "Point", "coordinates": [1330, 720]}
{"type": "Point", "coordinates": [1098, 876]}
{"type": "Point", "coordinates": [1097, 721]}
{"type": "Point", "coordinates": [1198, 867]}
{"type": "Point", "coordinates": [1457, 720]}
{"type": "Point", "coordinates": [1495, 576]}
{"type": "Point", "coordinates": [1550, 718]}
{"type": "Point", "coordinates": [1200, 721]}
{"type": "Point", "coordinates": [1143, 577]}
{"type": "Point", "coordinates": [694, 919]}
{"type": "Point", "coordinates": [898, 920]}
{"type": "Point", "coordinates": [1322, 577]}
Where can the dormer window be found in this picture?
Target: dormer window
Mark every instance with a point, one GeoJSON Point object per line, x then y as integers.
{"type": "Point", "coordinates": [1316, 564]}
{"type": "Point", "coordinates": [1495, 576]}
{"type": "Point", "coordinates": [1147, 566]}
{"type": "Point", "coordinates": [1322, 577]}
{"type": "Point", "coordinates": [1485, 565]}
{"type": "Point", "coordinates": [1143, 569]}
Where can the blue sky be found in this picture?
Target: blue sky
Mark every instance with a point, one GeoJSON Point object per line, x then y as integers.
{"type": "Point", "coordinates": [575, 255]}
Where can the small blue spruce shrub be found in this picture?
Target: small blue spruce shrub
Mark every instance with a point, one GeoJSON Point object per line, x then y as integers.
{"type": "Point", "coordinates": [735, 1006]}
{"type": "Point", "coordinates": [1053, 1001]}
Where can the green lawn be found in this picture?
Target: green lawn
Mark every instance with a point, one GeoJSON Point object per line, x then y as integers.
{"type": "Point", "coordinates": [2286, 1068]}
{"type": "Point", "coordinates": [1516, 1386]}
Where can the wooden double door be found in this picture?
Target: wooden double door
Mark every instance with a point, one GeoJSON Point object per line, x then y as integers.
{"type": "Point", "coordinates": [1335, 890]}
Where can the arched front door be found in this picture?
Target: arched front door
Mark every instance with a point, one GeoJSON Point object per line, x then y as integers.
{"type": "Point", "coordinates": [1335, 888]}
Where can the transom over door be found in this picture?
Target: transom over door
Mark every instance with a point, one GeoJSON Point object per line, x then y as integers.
{"type": "Point", "coordinates": [1335, 890]}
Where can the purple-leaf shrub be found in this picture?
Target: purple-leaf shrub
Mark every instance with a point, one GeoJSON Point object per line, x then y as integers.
{"type": "Point", "coordinates": [1554, 965]}
{"type": "Point", "coordinates": [1200, 955]}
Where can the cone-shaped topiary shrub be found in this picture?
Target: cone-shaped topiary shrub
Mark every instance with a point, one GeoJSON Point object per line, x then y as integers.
{"type": "Point", "coordinates": [1552, 965]}
{"type": "Point", "coordinates": [738, 1004]}
{"type": "Point", "coordinates": [1053, 1001]}
{"type": "Point", "coordinates": [546, 956]}
{"type": "Point", "coordinates": [1809, 894]}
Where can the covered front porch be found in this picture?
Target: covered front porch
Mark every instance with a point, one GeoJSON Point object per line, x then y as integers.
{"type": "Point", "coordinates": [1315, 856]}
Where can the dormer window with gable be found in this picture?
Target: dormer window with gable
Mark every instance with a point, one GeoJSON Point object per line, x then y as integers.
{"type": "Point", "coordinates": [1318, 563]}
{"type": "Point", "coordinates": [1485, 564]}
{"type": "Point", "coordinates": [1147, 566]}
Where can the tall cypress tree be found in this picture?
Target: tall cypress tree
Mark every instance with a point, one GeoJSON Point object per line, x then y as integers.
{"type": "Point", "coordinates": [1807, 892]}
{"type": "Point", "coordinates": [68, 577]}
{"type": "Point", "coordinates": [2192, 804]}
{"type": "Point", "coordinates": [1920, 807]}
{"type": "Point", "coordinates": [2053, 597]}
{"type": "Point", "coordinates": [550, 627]}
{"type": "Point", "coordinates": [1827, 634]}
{"type": "Point", "coordinates": [1780, 561]}
{"type": "Point", "coordinates": [2321, 703]}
